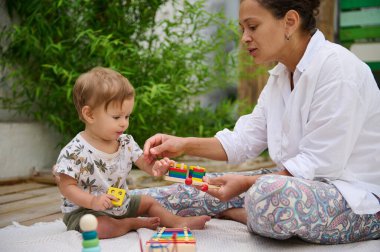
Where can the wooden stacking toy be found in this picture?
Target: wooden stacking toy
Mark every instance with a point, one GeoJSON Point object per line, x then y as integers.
{"type": "Point", "coordinates": [88, 224]}
{"type": "Point", "coordinates": [190, 176]}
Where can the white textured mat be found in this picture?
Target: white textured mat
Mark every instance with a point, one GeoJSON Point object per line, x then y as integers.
{"type": "Point", "coordinates": [219, 236]}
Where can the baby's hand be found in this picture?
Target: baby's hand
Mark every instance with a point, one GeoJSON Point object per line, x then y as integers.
{"type": "Point", "coordinates": [102, 202]}
{"type": "Point", "coordinates": [161, 167]}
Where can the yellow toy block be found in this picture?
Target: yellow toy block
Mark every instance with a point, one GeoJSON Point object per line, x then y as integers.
{"type": "Point", "coordinates": [118, 193]}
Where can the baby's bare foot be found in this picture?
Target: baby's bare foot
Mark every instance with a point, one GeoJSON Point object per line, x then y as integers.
{"type": "Point", "coordinates": [195, 222]}
{"type": "Point", "coordinates": [149, 222]}
{"type": "Point", "coordinates": [130, 224]}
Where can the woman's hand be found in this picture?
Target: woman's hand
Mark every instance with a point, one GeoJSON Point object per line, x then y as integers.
{"type": "Point", "coordinates": [161, 145]}
{"type": "Point", "coordinates": [230, 185]}
{"type": "Point", "coordinates": [161, 167]}
{"type": "Point", "coordinates": [102, 202]}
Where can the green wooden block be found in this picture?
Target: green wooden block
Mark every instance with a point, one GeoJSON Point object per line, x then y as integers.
{"type": "Point", "coordinates": [90, 243]}
{"type": "Point", "coordinates": [354, 33]}
{"type": "Point", "coordinates": [198, 174]}
{"type": "Point", "coordinates": [356, 4]}
{"type": "Point", "coordinates": [177, 175]}
{"type": "Point", "coordinates": [360, 18]}
{"type": "Point", "coordinates": [375, 66]}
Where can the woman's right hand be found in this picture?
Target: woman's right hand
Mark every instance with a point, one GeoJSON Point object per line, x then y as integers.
{"type": "Point", "coordinates": [162, 145]}
{"type": "Point", "coordinates": [231, 185]}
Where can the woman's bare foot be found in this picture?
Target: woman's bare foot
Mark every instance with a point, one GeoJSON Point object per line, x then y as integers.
{"type": "Point", "coordinates": [236, 214]}
{"type": "Point", "coordinates": [194, 222]}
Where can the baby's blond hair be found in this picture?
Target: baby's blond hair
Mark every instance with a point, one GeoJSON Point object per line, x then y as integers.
{"type": "Point", "coordinates": [101, 86]}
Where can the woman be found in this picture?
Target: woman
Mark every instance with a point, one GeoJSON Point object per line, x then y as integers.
{"type": "Point", "coordinates": [319, 116]}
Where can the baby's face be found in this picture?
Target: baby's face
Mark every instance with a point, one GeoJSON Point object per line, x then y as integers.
{"type": "Point", "coordinates": [111, 123]}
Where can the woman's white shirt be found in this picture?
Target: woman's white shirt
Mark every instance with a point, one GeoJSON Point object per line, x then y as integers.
{"type": "Point", "coordinates": [327, 128]}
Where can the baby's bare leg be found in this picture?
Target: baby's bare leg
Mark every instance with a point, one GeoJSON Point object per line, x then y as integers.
{"type": "Point", "coordinates": [109, 227]}
{"type": "Point", "coordinates": [151, 207]}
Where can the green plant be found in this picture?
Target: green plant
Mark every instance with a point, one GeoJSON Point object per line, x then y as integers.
{"type": "Point", "coordinates": [55, 41]}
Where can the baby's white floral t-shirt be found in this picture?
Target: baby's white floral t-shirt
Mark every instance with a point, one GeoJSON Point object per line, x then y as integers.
{"type": "Point", "coordinates": [96, 171]}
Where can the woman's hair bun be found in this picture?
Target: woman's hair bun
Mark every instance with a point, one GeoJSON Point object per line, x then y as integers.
{"type": "Point", "coordinates": [307, 9]}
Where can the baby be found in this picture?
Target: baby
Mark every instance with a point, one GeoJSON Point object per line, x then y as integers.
{"type": "Point", "coordinates": [101, 156]}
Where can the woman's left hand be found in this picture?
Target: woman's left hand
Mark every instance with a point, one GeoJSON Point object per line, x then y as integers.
{"type": "Point", "coordinates": [230, 186]}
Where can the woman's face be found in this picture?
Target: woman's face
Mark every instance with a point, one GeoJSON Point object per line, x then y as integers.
{"type": "Point", "coordinates": [262, 34]}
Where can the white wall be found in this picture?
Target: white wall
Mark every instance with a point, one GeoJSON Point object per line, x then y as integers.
{"type": "Point", "coordinates": [24, 144]}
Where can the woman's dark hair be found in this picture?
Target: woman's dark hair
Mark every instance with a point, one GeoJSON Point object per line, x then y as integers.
{"type": "Point", "coordinates": [307, 9]}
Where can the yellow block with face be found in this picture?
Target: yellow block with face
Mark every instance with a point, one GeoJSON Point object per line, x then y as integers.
{"type": "Point", "coordinates": [118, 193]}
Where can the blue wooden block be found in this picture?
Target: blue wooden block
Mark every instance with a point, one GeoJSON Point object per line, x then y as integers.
{"type": "Point", "coordinates": [93, 249]}
{"type": "Point", "coordinates": [90, 235]}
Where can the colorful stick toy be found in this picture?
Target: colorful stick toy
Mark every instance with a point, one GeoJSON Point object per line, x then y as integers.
{"type": "Point", "coordinates": [190, 176]}
{"type": "Point", "coordinates": [88, 224]}
{"type": "Point", "coordinates": [171, 239]}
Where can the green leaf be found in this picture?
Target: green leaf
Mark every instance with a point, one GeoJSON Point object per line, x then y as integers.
{"type": "Point", "coordinates": [52, 44]}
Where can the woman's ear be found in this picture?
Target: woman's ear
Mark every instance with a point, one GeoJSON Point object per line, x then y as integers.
{"type": "Point", "coordinates": [292, 22]}
{"type": "Point", "coordinates": [87, 114]}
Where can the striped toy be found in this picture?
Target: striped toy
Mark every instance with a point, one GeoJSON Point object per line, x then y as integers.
{"type": "Point", "coordinates": [190, 176]}
{"type": "Point", "coordinates": [88, 224]}
{"type": "Point", "coordinates": [171, 239]}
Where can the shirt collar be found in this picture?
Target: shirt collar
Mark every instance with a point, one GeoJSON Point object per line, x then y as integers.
{"type": "Point", "coordinates": [312, 48]}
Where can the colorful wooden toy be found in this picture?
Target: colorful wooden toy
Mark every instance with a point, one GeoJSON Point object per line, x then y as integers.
{"type": "Point", "coordinates": [118, 193]}
{"type": "Point", "coordinates": [188, 181]}
{"type": "Point", "coordinates": [171, 239]}
{"type": "Point", "coordinates": [197, 173]}
{"type": "Point", "coordinates": [178, 171]}
{"type": "Point", "coordinates": [204, 187]}
{"type": "Point", "coordinates": [192, 176]}
{"type": "Point", "coordinates": [88, 224]}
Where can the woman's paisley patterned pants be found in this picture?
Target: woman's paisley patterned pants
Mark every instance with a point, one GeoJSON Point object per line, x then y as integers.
{"type": "Point", "coordinates": [279, 207]}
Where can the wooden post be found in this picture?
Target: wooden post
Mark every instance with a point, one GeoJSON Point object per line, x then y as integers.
{"type": "Point", "coordinates": [326, 18]}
